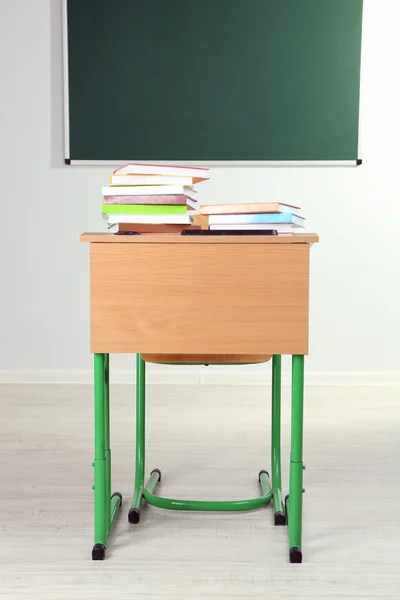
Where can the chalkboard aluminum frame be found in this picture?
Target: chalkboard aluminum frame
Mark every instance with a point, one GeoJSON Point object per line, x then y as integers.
{"type": "Point", "coordinates": [298, 163]}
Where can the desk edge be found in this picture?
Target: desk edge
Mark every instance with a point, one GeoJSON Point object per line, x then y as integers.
{"type": "Point", "coordinates": [173, 238]}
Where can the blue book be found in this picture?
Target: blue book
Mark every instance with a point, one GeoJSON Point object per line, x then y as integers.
{"type": "Point", "coordinates": [264, 218]}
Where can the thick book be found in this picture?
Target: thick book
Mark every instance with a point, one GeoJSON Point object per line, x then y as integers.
{"type": "Point", "coordinates": [280, 227]}
{"type": "Point", "coordinates": [150, 180]}
{"type": "Point", "coordinates": [179, 199]}
{"type": "Point", "coordinates": [270, 218]}
{"type": "Point", "coordinates": [144, 209]}
{"type": "Point", "coordinates": [150, 227]}
{"type": "Point", "coordinates": [196, 173]}
{"type": "Point", "coordinates": [150, 190]}
{"type": "Point", "coordinates": [162, 219]}
{"type": "Point", "coordinates": [248, 208]}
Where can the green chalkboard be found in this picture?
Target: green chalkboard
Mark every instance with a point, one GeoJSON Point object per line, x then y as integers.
{"type": "Point", "coordinates": [213, 80]}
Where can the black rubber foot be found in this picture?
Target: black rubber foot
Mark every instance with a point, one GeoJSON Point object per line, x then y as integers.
{"type": "Point", "coordinates": [280, 518]}
{"type": "Point", "coordinates": [98, 552]}
{"type": "Point", "coordinates": [119, 496]}
{"type": "Point", "coordinates": [134, 516]}
{"type": "Point", "coordinates": [157, 471]}
{"type": "Point", "coordinates": [295, 555]}
{"type": "Point", "coordinates": [259, 475]}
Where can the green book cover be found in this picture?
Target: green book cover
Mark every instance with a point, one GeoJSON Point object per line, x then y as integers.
{"type": "Point", "coordinates": [144, 209]}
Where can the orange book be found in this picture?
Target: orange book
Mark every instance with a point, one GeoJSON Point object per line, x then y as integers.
{"type": "Point", "coordinates": [150, 227]}
{"type": "Point", "coordinates": [201, 221]}
{"type": "Point", "coordinates": [248, 208]}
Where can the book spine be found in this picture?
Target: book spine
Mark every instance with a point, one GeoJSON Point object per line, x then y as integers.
{"type": "Point", "coordinates": [152, 219]}
{"type": "Point", "coordinates": [156, 169]}
{"type": "Point", "coordinates": [252, 218]}
{"type": "Point", "coordinates": [149, 228]}
{"type": "Point", "coordinates": [281, 227]}
{"type": "Point", "coordinates": [155, 199]}
{"type": "Point", "coordinates": [250, 208]}
{"type": "Point", "coordinates": [143, 209]}
{"type": "Point", "coordinates": [232, 209]}
{"type": "Point", "coordinates": [140, 180]}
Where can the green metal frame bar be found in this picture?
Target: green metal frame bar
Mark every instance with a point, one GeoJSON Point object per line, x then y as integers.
{"type": "Point", "coordinates": [140, 439]}
{"type": "Point", "coordinates": [295, 501]}
{"type": "Point", "coordinates": [270, 490]}
{"type": "Point", "coordinates": [107, 438]}
{"type": "Point", "coordinates": [276, 441]}
{"type": "Point", "coordinates": [208, 505]}
{"type": "Point", "coordinates": [115, 506]}
{"type": "Point", "coordinates": [100, 525]}
{"type": "Point", "coordinates": [105, 506]}
{"type": "Point", "coordinates": [141, 492]}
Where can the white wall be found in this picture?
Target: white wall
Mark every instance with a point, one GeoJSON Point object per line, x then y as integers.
{"type": "Point", "coordinates": [355, 304]}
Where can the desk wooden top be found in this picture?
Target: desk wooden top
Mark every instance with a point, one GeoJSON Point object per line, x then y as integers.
{"type": "Point", "coordinates": [153, 238]}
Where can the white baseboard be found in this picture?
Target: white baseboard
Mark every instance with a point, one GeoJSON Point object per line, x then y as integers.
{"type": "Point", "coordinates": [205, 376]}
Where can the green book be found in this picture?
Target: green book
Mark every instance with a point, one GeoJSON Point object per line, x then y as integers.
{"type": "Point", "coordinates": [144, 209]}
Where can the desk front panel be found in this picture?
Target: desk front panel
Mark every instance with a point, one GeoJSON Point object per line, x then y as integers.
{"type": "Point", "coordinates": [199, 298]}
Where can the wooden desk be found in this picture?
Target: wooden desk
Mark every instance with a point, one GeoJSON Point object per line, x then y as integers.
{"type": "Point", "coordinates": [165, 294]}
{"type": "Point", "coordinates": [173, 294]}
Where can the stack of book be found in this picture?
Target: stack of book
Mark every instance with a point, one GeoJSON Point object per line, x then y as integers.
{"type": "Point", "coordinates": [284, 218]}
{"type": "Point", "coordinates": [151, 198]}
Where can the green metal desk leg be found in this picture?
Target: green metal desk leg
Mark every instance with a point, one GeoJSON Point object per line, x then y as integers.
{"type": "Point", "coordinates": [107, 438]}
{"type": "Point", "coordinates": [100, 479]}
{"type": "Point", "coordinates": [106, 507]}
{"type": "Point", "coordinates": [134, 513]}
{"type": "Point", "coordinates": [113, 502]}
{"type": "Point", "coordinates": [295, 501]}
{"type": "Point", "coordinates": [280, 518]}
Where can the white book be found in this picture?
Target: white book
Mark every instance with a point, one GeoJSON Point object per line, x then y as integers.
{"type": "Point", "coordinates": [149, 180]}
{"type": "Point", "coordinates": [280, 227]}
{"type": "Point", "coordinates": [132, 168]}
{"type": "Point", "coordinates": [150, 190]}
{"type": "Point", "coordinates": [153, 219]}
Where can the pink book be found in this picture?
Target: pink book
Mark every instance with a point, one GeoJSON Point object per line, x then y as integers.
{"type": "Point", "coordinates": [156, 199]}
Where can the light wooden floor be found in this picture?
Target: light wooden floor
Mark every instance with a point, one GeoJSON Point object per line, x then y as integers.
{"type": "Point", "coordinates": [209, 442]}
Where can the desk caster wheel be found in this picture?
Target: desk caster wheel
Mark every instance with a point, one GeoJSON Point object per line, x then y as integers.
{"type": "Point", "coordinates": [134, 516]}
{"type": "Point", "coordinates": [99, 552]}
{"type": "Point", "coordinates": [295, 555]}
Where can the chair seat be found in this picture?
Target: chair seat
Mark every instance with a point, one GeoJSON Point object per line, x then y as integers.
{"type": "Point", "coordinates": [206, 358]}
